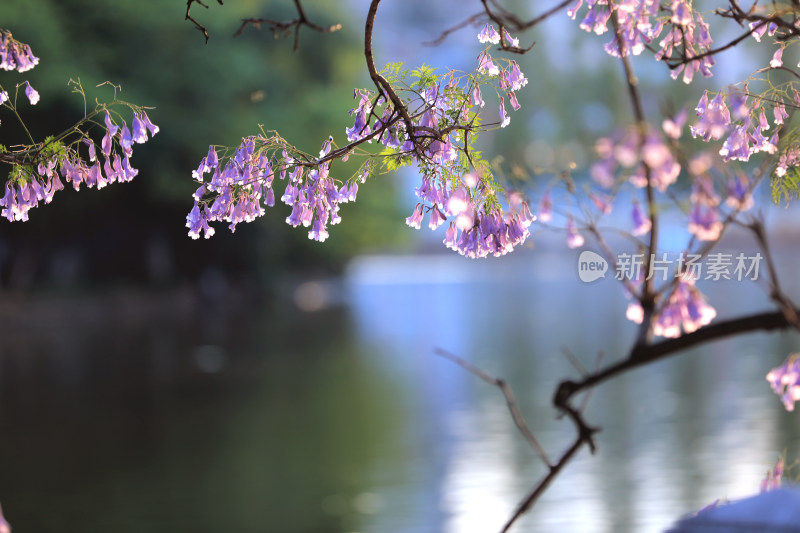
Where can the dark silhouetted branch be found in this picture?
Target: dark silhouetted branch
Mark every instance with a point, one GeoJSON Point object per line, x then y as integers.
{"type": "Point", "coordinates": [282, 28]}
{"type": "Point", "coordinates": [197, 24]}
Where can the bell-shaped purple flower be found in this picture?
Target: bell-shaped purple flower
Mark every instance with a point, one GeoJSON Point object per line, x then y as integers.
{"type": "Point", "coordinates": [31, 93]}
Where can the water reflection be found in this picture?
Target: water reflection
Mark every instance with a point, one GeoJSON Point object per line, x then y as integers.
{"type": "Point", "coordinates": [156, 413]}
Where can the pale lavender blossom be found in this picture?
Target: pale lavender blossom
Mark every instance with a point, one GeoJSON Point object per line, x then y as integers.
{"type": "Point", "coordinates": [415, 220]}
{"type": "Point", "coordinates": [704, 222]}
{"type": "Point", "coordinates": [641, 223]}
{"type": "Point", "coordinates": [686, 308]}
{"type": "Point", "coordinates": [514, 77]}
{"type": "Point", "coordinates": [774, 477]}
{"type": "Point", "coordinates": [31, 93]}
{"type": "Point", "coordinates": [505, 120]}
{"type": "Point", "coordinates": [489, 35]}
{"type": "Point", "coordinates": [739, 195]}
{"type": "Point", "coordinates": [485, 64]}
{"type": "Point", "coordinates": [785, 381]}
{"type": "Point", "coordinates": [777, 58]}
{"type": "Point", "coordinates": [715, 118]}
{"type": "Point", "coordinates": [574, 238]}
{"type": "Point", "coordinates": [510, 40]}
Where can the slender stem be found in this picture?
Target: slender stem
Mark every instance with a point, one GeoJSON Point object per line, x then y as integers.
{"type": "Point", "coordinates": [648, 294]}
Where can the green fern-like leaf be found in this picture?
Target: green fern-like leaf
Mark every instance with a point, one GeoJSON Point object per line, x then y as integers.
{"type": "Point", "coordinates": [787, 187]}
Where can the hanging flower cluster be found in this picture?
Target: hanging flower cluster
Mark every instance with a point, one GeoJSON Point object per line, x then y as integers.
{"type": "Point", "coordinates": [37, 169]}
{"type": "Point", "coordinates": [36, 175]}
{"type": "Point", "coordinates": [640, 24]}
{"type": "Point", "coordinates": [441, 112]}
{"type": "Point", "coordinates": [15, 55]}
{"type": "Point", "coordinates": [743, 124]}
{"type": "Point", "coordinates": [686, 309]}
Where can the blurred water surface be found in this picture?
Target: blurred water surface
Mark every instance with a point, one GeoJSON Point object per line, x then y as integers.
{"type": "Point", "coordinates": [330, 412]}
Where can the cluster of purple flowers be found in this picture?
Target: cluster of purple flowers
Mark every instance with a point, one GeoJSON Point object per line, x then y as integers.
{"type": "Point", "coordinates": [690, 36]}
{"type": "Point", "coordinates": [685, 308]}
{"type": "Point", "coordinates": [622, 151]}
{"type": "Point", "coordinates": [479, 227]}
{"type": "Point", "coordinates": [640, 24]}
{"type": "Point", "coordinates": [242, 187]}
{"type": "Point", "coordinates": [15, 55]}
{"type": "Point", "coordinates": [24, 190]}
{"type": "Point", "coordinates": [785, 381]}
{"type": "Point", "coordinates": [745, 126]}
{"type": "Point", "coordinates": [439, 112]}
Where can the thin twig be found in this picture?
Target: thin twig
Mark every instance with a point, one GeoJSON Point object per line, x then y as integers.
{"type": "Point", "coordinates": [283, 28]}
{"type": "Point", "coordinates": [197, 24]}
{"type": "Point", "coordinates": [511, 402]}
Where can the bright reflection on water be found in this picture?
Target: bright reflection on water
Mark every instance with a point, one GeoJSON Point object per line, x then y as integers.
{"type": "Point", "coordinates": [155, 414]}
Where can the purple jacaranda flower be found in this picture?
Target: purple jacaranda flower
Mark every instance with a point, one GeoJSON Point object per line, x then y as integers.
{"type": "Point", "coordinates": [739, 195]}
{"type": "Point", "coordinates": [715, 118]}
{"type": "Point", "coordinates": [31, 93]}
{"type": "Point", "coordinates": [269, 198]}
{"type": "Point", "coordinates": [110, 126]}
{"type": "Point", "coordinates": [504, 118]}
{"type": "Point", "coordinates": [489, 35]}
{"type": "Point", "coordinates": [126, 140]}
{"type": "Point", "coordinates": [318, 231]}
{"type": "Point", "coordinates": [8, 201]}
{"type": "Point", "coordinates": [785, 381]}
{"type": "Point", "coordinates": [152, 128]}
{"type": "Point", "coordinates": [777, 58]}
{"type": "Point", "coordinates": [758, 29]}
{"type": "Point", "coordinates": [106, 144]}
{"type": "Point", "coordinates": [704, 222]}
{"type": "Point", "coordinates": [485, 64]}
{"type": "Point", "coordinates": [686, 308]}
{"type": "Point", "coordinates": [641, 223]}
{"type": "Point", "coordinates": [515, 78]}
{"type": "Point", "coordinates": [774, 477]}
{"type": "Point", "coordinates": [196, 221]}
{"type": "Point", "coordinates": [673, 126]}
{"type": "Point", "coordinates": [458, 202]}
{"type": "Point", "coordinates": [510, 41]}
{"type": "Point", "coordinates": [681, 13]}
{"type": "Point", "coordinates": [737, 145]}
{"type": "Point", "coordinates": [512, 97]}
{"type": "Point", "coordinates": [415, 220]}
{"type": "Point", "coordinates": [780, 114]}
{"type": "Point", "coordinates": [139, 133]}
{"type": "Point", "coordinates": [360, 129]}
{"type": "Point", "coordinates": [3, 97]}
{"type": "Point", "coordinates": [436, 218]}
{"type": "Point", "coordinates": [574, 239]}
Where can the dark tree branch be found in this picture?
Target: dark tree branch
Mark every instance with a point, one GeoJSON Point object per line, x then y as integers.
{"type": "Point", "coordinates": [197, 24]}
{"type": "Point", "coordinates": [282, 28]}
{"type": "Point", "coordinates": [641, 355]}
